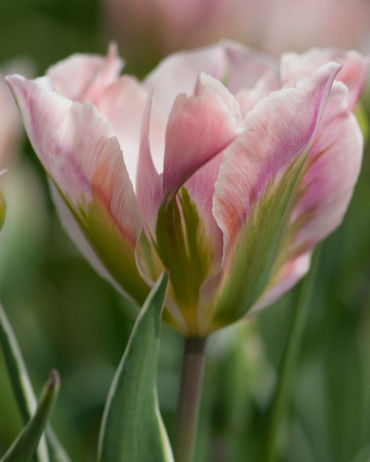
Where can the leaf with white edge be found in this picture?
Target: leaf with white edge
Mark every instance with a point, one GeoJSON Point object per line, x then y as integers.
{"type": "Point", "coordinates": [19, 378]}
{"type": "Point", "coordinates": [24, 394]}
{"type": "Point", "coordinates": [57, 453]}
{"type": "Point", "coordinates": [132, 428]}
{"type": "Point", "coordinates": [27, 441]}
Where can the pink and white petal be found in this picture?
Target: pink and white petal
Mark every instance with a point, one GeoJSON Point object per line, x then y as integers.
{"type": "Point", "coordinates": [68, 137]}
{"type": "Point", "coordinates": [148, 183]}
{"type": "Point", "coordinates": [123, 104]}
{"type": "Point", "coordinates": [246, 66]}
{"type": "Point", "coordinates": [248, 97]}
{"type": "Point", "coordinates": [353, 74]}
{"type": "Point", "coordinates": [199, 127]}
{"type": "Point", "coordinates": [330, 174]}
{"type": "Point", "coordinates": [179, 72]}
{"type": "Point", "coordinates": [107, 75]}
{"type": "Point", "coordinates": [227, 60]}
{"type": "Point", "coordinates": [286, 278]}
{"type": "Point", "coordinates": [86, 164]}
{"type": "Point", "coordinates": [277, 130]}
{"type": "Point", "coordinates": [82, 76]}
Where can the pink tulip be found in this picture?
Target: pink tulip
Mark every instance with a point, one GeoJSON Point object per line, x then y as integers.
{"type": "Point", "coordinates": [278, 25]}
{"type": "Point", "coordinates": [160, 27]}
{"type": "Point", "coordinates": [220, 166]}
{"type": "Point", "coordinates": [154, 28]}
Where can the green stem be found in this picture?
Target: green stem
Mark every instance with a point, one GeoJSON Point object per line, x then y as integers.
{"type": "Point", "coordinates": [289, 361]}
{"type": "Point", "coordinates": [188, 407]}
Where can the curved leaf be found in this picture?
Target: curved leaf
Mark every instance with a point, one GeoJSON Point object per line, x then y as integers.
{"type": "Point", "coordinates": [132, 428]}
{"type": "Point", "coordinates": [27, 441]}
{"type": "Point", "coordinates": [20, 381]}
{"type": "Point", "coordinates": [24, 393]}
{"type": "Point", "coordinates": [57, 453]}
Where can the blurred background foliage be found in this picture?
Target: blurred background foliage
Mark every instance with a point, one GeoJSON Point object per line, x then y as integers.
{"type": "Point", "coordinates": [66, 317]}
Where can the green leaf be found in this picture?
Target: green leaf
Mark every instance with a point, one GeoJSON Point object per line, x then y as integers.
{"type": "Point", "coordinates": [57, 453]}
{"type": "Point", "coordinates": [27, 441]}
{"type": "Point", "coordinates": [24, 393]}
{"type": "Point", "coordinates": [132, 428]}
{"type": "Point", "coordinates": [363, 455]}
{"type": "Point", "coordinates": [20, 381]}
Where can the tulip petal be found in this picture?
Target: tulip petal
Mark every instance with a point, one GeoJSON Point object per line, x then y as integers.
{"type": "Point", "coordinates": [83, 77]}
{"type": "Point", "coordinates": [277, 130]}
{"type": "Point", "coordinates": [330, 175]}
{"type": "Point", "coordinates": [201, 188]}
{"type": "Point", "coordinates": [74, 231]}
{"type": "Point", "coordinates": [86, 166]}
{"type": "Point", "coordinates": [149, 184]}
{"type": "Point", "coordinates": [324, 192]}
{"type": "Point", "coordinates": [286, 278]}
{"type": "Point", "coordinates": [248, 97]}
{"type": "Point", "coordinates": [121, 100]}
{"type": "Point", "coordinates": [190, 243]}
{"type": "Point", "coordinates": [254, 189]}
{"type": "Point", "coordinates": [123, 104]}
{"type": "Point", "coordinates": [322, 197]}
{"type": "Point", "coordinates": [185, 251]}
{"type": "Point", "coordinates": [227, 60]}
{"type": "Point", "coordinates": [199, 127]}
{"type": "Point", "coordinates": [246, 66]}
{"type": "Point", "coordinates": [353, 74]}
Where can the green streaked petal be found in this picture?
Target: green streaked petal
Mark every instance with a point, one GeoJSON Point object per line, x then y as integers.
{"type": "Point", "coordinates": [363, 120]}
{"type": "Point", "coordinates": [108, 242]}
{"type": "Point", "coordinates": [253, 261]}
{"type": "Point", "coordinates": [185, 252]}
{"type": "Point", "coordinates": [132, 428]}
{"type": "Point", "coordinates": [85, 162]}
{"type": "Point", "coordinates": [114, 251]}
{"type": "Point", "coordinates": [27, 441]}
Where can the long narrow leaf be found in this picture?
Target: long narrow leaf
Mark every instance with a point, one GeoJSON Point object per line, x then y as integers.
{"type": "Point", "coordinates": [24, 447]}
{"type": "Point", "coordinates": [363, 455]}
{"type": "Point", "coordinates": [19, 378]}
{"type": "Point", "coordinates": [24, 393]}
{"type": "Point", "coordinates": [132, 428]}
{"type": "Point", "coordinates": [57, 453]}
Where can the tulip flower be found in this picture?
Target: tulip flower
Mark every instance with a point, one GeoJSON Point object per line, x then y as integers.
{"type": "Point", "coordinates": [299, 24]}
{"type": "Point", "coordinates": [221, 166]}
{"type": "Point", "coordinates": [159, 27]}
{"type": "Point", "coordinates": [165, 26]}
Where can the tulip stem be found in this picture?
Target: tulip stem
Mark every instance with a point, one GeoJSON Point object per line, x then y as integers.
{"type": "Point", "coordinates": [288, 364]}
{"type": "Point", "coordinates": [189, 399]}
